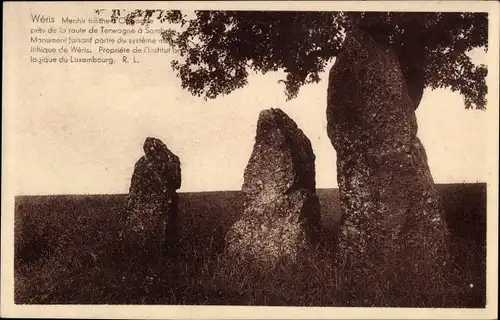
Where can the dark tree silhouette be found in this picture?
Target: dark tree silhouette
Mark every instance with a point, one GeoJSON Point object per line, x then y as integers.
{"type": "Point", "coordinates": [221, 47]}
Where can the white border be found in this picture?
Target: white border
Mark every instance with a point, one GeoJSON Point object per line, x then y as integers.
{"type": "Point", "coordinates": [8, 309]}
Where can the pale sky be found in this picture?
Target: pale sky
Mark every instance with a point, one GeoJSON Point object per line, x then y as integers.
{"type": "Point", "coordinates": [80, 128]}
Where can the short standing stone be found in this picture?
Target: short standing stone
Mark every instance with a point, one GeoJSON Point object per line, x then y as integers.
{"type": "Point", "coordinates": [391, 227]}
{"type": "Point", "coordinates": [281, 210]}
{"type": "Point", "coordinates": [151, 205]}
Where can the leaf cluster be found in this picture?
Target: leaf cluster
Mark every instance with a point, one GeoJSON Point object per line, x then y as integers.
{"type": "Point", "coordinates": [220, 48]}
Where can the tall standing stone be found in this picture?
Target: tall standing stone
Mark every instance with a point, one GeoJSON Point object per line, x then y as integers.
{"type": "Point", "coordinates": [281, 209]}
{"type": "Point", "coordinates": [391, 226]}
{"type": "Point", "coordinates": [151, 205]}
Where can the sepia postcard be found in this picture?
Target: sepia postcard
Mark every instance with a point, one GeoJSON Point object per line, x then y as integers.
{"type": "Point", "coordinates": [250, 160]}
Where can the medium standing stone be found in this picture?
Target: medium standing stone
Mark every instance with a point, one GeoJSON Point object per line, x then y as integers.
{"type": "Point", "coordinates": [391, 226]}
{"type": "Point", "coordinates": [151, 205]}
{"type": "Point", "coordinates": [281, 210]}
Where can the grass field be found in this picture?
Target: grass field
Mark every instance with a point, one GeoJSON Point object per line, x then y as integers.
{"type": "Point", "coordinates": [67, 252]}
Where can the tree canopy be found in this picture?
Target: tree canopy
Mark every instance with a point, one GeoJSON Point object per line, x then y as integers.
{"type": "Point", "coordinates": [219, 48]}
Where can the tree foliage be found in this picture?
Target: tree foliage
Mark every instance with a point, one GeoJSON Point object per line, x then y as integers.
{"type": "Point", "coordinates": [219, 48]}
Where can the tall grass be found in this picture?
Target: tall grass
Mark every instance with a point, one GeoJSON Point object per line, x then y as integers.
{"type": "Point", "coordinates": [67, 251]}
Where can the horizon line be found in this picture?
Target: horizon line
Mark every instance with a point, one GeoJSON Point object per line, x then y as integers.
{"type": "Point", "coordinates": [203, 191]}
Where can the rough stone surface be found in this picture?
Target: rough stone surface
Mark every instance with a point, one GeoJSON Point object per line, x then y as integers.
{"type": "Point", "coordinates": [281, 210]}
{"type": "Point", "coordinates": [151, 205]}
{"type": "Point", "coordinates": [391, 226]}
